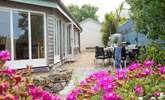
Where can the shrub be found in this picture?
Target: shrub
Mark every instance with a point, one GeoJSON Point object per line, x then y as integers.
{"type": "Point", "coordinates": [152, 51]}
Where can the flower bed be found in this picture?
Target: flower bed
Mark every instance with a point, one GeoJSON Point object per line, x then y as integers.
{"type": "Point", "coordinates": [17, 85]}
{"type": "Point", "coordinates": [137, 81]}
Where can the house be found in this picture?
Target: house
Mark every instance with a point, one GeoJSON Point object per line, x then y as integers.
{"type": "Point", "coordinates": [37, 32]}
{"type": "Point", "coordinates": [91, 35]}
{"type": "Point", "coordinates": [130, 35]}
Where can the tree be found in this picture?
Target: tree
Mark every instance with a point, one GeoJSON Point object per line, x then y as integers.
{"type": "Point", "coordinates": [83, 12]}
{"type": "Point", "coordinates": [149, 17]}
{"type": "Point", "coordinates": [110, 24]}
{"type": "Point", "coordinates": [109, 17]}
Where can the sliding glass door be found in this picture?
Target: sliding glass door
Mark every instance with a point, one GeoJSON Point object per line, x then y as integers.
{"type": "Point", "coordinates": [22, 34]}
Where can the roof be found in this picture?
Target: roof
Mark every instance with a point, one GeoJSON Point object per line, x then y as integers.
{"type": "Point", "coordinates": [57, 4]}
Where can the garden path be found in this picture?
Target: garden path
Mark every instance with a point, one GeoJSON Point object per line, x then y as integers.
{"type": "Point", "coordinates": [82, 67]}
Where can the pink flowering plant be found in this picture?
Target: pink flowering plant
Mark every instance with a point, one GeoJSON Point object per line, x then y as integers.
{"type": "Point", "coordinates": [17, 85]}
{"type": "Point", "coordinates": [145, 80]}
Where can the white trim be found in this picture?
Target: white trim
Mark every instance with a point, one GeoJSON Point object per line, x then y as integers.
{"type": "Point", "coordinates": [12, 35]}
{"type": "Point", "coordinates": [29, 35]}
{"type": "Point", "coordinates": [18, 64]}
{"type": "Point", "coordinates": [26, 10]}
{"type": "Point", "coordinates": [45, 37]}
{"type": "Point", "coordinates": [72, 40]}
{"type": "Point", "coordinates": [55, 33]}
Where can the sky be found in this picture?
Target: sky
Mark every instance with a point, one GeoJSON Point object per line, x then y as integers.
{"type": "Point", "coordinates": [103, 5]}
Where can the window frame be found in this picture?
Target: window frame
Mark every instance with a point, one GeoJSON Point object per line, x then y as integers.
{"type": "Point", "coordinates": [56, 39]}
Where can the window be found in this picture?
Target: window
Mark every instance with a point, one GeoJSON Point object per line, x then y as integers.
{"type": "Point", "coordinates": [63, 39]}
{"type": "Point", "coordinates": [37, 35]}
{"type": "Point", "coordinates": [27, 31]}
{"type": "Point", "coordinates": [20, 30]}
{"type": "Point", "coordinates": [5, 36]}
{"type": "Point", "coordinates": [76, 38]}
{"type": "Point", "coordinates": [69, 49]}
{"type": "Point", "coordinates": [57, 37]}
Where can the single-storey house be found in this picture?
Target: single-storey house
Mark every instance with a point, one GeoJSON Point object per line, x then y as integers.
{"type": "Point", "coordinates": [130, 35]}
{"type": "Point", "coordinates": [37, 32]}
{"type": "Point", "coordinates": [91, 35]}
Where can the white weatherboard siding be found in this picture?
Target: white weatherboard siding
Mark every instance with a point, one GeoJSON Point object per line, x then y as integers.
{"type": "Point", "coordinates": [91, 35]}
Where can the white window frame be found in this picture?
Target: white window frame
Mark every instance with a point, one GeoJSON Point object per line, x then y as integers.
{"type": "Point", "coordinates": [56, 33]}
{"type": "Point", "coordinates": [18, 64]}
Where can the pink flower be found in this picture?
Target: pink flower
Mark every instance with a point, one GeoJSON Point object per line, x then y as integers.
{"type": "Point", "coordinates": [83, 83]}
{"type": "Point", "coordinates": [162, 70]}
{"type": "Point", "coordinates": [55, 98]}
{"type": "Point", "coordinates": [138, 89]}
{"type": "Point", "coordinates": [120, 73]}
{"type": "Point", "coordinates": [8, 72]}
{"type": "Point", "coordinates": [110, 96]}
{"type": "Point", "coordinates": [108, 88]}
{"type": "Point", "coordinates": [46, 96]}
{"type": "Point", "coordinates": [71, 96]}
{"type": "Point", "coordinates": [4, 55]}
{"type": "Point", "coordinates": [105, 80]}
{"type": "Point", "coordinates": [148, 62]}
{"type": "Point", "coordinates": [159, 65]}
{"type": "Point", "coordinates": [139, 75]}
{"type": "Point", "coordinates": [146, 72]}
{"type": "Point", "coordinates": [3, 87]}
{"type": "Point", "coordinates": [121, 76]}
{"type": "Point", "coordinates": [156, 94]}
{"type": "Point", "coordinates": [133, 66]}
{"type": "Point", "coordinates": [94, 88]}
{"type": "Point", "coordinates": [76, 90]}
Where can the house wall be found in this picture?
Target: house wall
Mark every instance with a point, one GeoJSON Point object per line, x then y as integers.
{"type": "Point", "coordinates": [91, 35]}
{"type": "Point", "coordinates": [51, 14]}
{"type": "Point", "coordinates": [50, 45]}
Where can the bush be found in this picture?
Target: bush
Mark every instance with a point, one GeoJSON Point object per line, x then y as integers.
{"type": "Point", "coordinates": [152, 51]}
{"type": "Point", "coordinates": [17, 85]}
{"type": "Point", "coordinates": [137, 80]}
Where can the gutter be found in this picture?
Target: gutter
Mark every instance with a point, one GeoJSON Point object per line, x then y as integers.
{"type": "Point", "coordinates": [67, 12]}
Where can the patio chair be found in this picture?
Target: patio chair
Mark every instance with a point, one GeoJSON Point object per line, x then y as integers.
{"type": "Point", "coordinates": [101, 54]}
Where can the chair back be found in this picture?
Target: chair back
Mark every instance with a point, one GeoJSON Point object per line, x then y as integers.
{"type": "Point", "coordinates": [99, 51]}
{"type": "Point", "coordinates": [123, 53]}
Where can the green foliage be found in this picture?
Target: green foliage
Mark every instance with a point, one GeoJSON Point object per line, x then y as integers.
{"type": "Point", "coordinates": [152, 51]}
{"type": "Point", "coordinates": [83, 12]}
{"type": "Point", "coordinates": [115, 41]}
{"type": "Point", "coordinates": [149, 83]}
{"type": "Point", "coordinates": [109, 17]}
{"type": "Point", "coordinates": [148, 16]}
{"type": "Point", "coordinates": [115, 20]}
